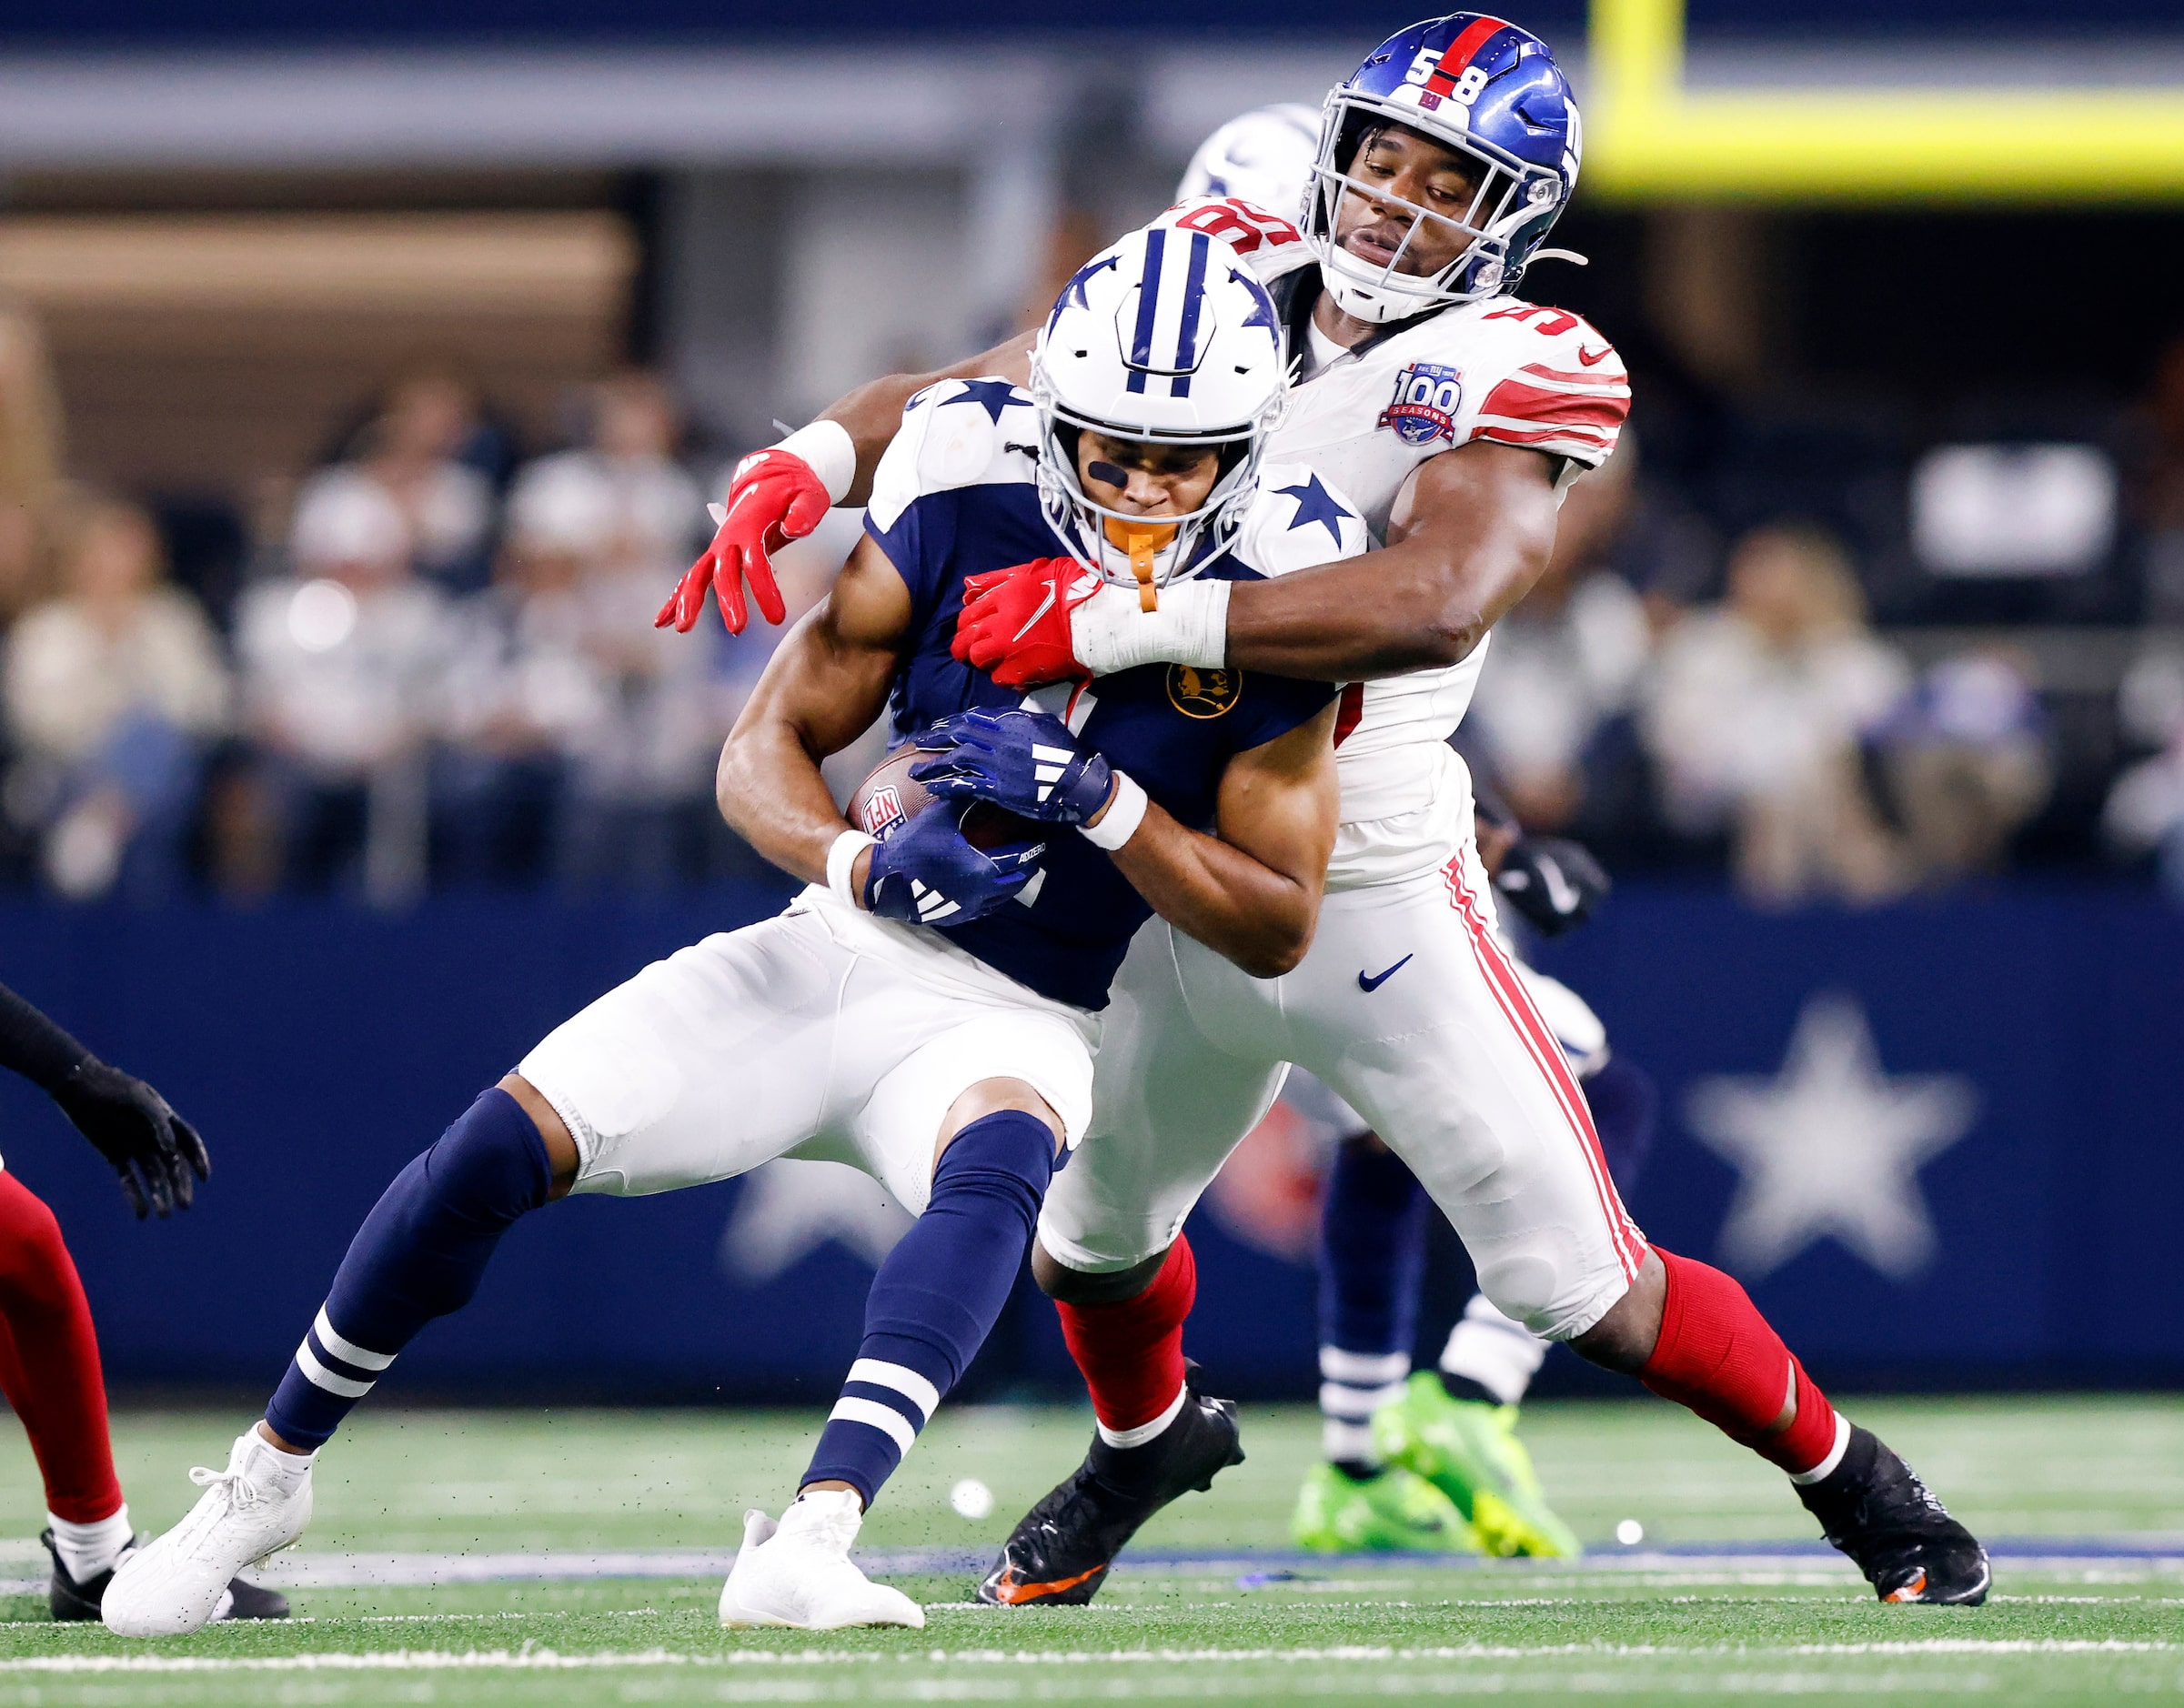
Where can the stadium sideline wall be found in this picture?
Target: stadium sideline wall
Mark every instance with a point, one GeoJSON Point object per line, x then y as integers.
{"type": "Point", "coordinates": [2022, 1071]}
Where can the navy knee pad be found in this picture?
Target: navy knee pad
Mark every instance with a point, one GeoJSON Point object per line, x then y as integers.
{"type": "Point", "coordinates": [1007, 1157]}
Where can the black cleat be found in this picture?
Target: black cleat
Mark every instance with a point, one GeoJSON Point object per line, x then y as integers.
{"type": "Point", "coordinates": [72, 1600]}
{"type": "Point", "coordinates": [1875, 1508]}
{"type": "Point", "coordinates": [1058, 1553]}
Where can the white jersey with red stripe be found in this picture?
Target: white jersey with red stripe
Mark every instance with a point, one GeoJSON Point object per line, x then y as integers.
{"type": "Point", "coordinates": [1501, 369]}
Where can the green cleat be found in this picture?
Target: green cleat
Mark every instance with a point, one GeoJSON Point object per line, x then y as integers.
{"type": "Point", "coordinates": [1339, 1513]}
{"type": "Point", "coordinates": [1468, 1449]}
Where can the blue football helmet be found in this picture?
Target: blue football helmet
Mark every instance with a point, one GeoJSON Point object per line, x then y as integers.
{"type": "Point", "coordinates": [1483, 89]}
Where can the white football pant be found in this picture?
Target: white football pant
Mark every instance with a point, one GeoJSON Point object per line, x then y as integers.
{"type": "Point", "coordinates": [821, 1032]}
{"type": "Point", "coordinates": [1409, 1009]}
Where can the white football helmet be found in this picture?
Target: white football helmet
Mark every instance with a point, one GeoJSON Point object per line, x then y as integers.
{"type": "Point", "coordinates": [1165, 338]}
{"type": "Point", "coordinates": [1264, 157]}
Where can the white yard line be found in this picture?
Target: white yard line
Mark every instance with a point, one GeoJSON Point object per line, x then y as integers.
{"type": "Point", "coordinates": [540, 1659]}
{"type": "Point", "coordinates": [344, 1570]}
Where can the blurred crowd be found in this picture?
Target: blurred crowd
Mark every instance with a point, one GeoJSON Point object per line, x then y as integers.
{"type": "Point", "coordinates": [437, 669]}
{"type": "Point", "coordinates": [435, 666]}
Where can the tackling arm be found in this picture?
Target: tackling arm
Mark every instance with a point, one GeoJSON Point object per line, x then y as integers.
{"type": "Point", "coordinates": [872, 412]}
{"type": "Point", "coordinates": [1253, 892]}
{"type": "Point", "coordinates": [1471, 531]}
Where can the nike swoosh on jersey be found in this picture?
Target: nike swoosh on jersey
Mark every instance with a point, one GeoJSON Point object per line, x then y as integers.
{"type": "Point", "coordinates": [1373, 982]}
{"type": "Point", "coordinates": [1592, 358]}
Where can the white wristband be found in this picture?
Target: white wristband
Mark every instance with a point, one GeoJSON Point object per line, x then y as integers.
{"type": "Point", "coordinates": [841, 861]}
{"type": "Point", "coordinates": [831, 453]}
{"type": "Point", "coordinates": [1109, 633]}
{"type": "Point", "coordinates": [1124, 813]}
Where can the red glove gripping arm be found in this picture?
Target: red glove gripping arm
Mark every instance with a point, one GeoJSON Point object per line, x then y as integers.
{"type": "Point", "coordinates": [1015, 623]}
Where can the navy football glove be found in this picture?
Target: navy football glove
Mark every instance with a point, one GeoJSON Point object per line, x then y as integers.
{"type": "Point", "coordinates": [1552, 882]}
{"type": "Point", "coordinates": [926, 873]}
{"type": "Point", "coordinates": [1027, 762]}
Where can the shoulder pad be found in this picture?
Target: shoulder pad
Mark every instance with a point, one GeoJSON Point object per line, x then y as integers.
{"type": "Point", "coordinates": [956, 433]}
{"type": "Point", "coordinates": [1269, 245]}
{"type": "Point", "coordinates": [1550, 381]}
{"type": "Point", "coordinates": [1298, 520]}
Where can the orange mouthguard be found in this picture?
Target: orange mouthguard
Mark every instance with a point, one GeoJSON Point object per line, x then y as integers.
{"type": "Point", "coordinates": [1141, 543]}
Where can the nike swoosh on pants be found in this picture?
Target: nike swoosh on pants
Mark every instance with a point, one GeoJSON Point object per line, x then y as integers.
{"type": "Point", "coordinates": [1373, 982]}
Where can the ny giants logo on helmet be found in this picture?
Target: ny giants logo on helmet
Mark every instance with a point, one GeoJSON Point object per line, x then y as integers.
{"type": "Point", "coordinates": [1427, 396]}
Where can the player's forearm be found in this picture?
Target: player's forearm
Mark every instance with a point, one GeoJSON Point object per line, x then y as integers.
{"type": "Point", "coordinates": [872, 413]}
{"type": "Point", "coordinates": [1235, 905]}
{"type": "Point", "coordinates": [34, 1047]}
{"type": "Point", "coordinates": [770, 790]}
{"type": "Point", "coordinates": [1413, 606]}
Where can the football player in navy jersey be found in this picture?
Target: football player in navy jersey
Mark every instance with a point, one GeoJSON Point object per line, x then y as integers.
{"type": "Point", "coordinates": [1456, 413]}
{"type": "Point", "coordinates": [928, 1009]}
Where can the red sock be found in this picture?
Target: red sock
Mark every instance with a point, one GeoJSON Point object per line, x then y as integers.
{"type": "Point", "coordinates": [1132, 1351]}
{"type": "Point", "coordinates": [49, 1360]}
{"type": "Point", "coordinates": [1717, 1356]}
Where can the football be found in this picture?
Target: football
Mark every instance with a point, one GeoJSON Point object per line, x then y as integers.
{"type": "Point", "coordinates": [892, 796]}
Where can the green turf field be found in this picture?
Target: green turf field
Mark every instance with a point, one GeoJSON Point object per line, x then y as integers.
{"type": "Point", "coordinates": [409, 1503]}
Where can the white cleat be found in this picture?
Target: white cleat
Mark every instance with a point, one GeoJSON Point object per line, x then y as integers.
{"type": "Point", "coordinates": [797, 1573]}
{"type": "Point", "coordinates": [176, 1584]}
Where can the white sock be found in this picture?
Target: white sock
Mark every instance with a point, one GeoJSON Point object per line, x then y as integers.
{"type": "Point", "coordinates": [283, 1469]}
{"type": "Point", "coordinates": [1498, 1352]}
{"type": "Point", "coordinates": [1145, 1433]}
{"type": "Point", "coordinates": [86, 1549]}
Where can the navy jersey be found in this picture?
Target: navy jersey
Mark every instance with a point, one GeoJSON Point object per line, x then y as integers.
{"type": "Point", "coordinates": [956, 496]}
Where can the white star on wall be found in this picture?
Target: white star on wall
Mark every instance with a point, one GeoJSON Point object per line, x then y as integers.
{"type": "Point", "coordinates": [1831, 1146]}
{"type": "Point", "coordinates": [790, 1208]}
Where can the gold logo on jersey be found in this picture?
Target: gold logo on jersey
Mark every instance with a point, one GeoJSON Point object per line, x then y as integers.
{"type": "Point", "coordinates": [1197, 693]}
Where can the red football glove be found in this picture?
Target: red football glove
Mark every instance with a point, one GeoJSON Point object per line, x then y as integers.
{"type": "Point", "coordinates": [1015, 623]}
{"type": "Point", "coordinates": [774, 498]}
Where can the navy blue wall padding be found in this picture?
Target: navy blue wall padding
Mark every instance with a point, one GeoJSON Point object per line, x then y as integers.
{"type": "Point", "coordinates": [316, 1045]}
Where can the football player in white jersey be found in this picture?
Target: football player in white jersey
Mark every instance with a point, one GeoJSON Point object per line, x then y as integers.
{"type": "Point", "coordinates": [1454, 414]}
{"type": "Point", "coordinates": [1459, 1477]}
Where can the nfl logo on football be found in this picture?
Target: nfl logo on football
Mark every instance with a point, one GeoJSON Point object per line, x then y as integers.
{"type": "Point", "coordinates": [882, 812]}
{"type": "Point", "coordinates": [1425, 409]}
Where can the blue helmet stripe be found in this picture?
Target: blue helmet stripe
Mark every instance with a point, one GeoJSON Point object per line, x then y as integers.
{"type": "Point", "coordinates": [1148, 301]}
{"type": "Point", "coordinates": [1195, 297]}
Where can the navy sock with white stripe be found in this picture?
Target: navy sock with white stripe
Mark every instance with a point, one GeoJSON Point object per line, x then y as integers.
{"type": "Point", "coordinates": [937, 1296]}
{"type": "Point", "coordinates": [1372, 1251]}
{"type": "Point", "coordinates": [418, 1255]}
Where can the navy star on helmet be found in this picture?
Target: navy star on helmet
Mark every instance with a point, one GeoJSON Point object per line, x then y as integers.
{"type": "Point", "coordinates": [1484, 89]}
{"type": "Point", "coordinates": [1165, 338]}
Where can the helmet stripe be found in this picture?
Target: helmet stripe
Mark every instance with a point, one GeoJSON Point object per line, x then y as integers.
{"type": "Point", "coordinates": [1195, 297]}
{"type": "Point", "coordinates": [1149, 300]}
{"type": "Point", "coordinates": [1462, 51]}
